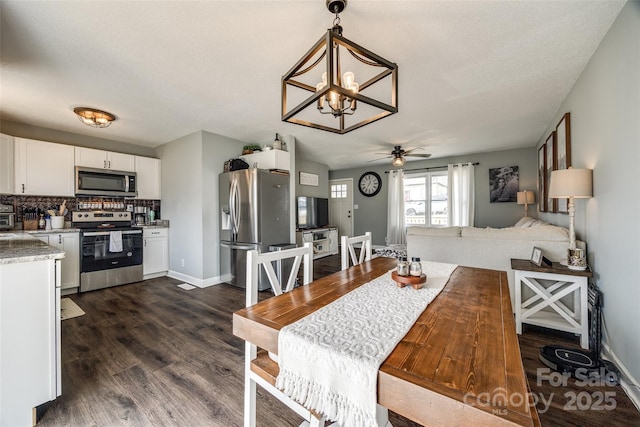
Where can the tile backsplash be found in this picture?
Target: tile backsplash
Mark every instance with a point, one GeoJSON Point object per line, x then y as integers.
{"type": "Point", "coordinates": [41, 204]}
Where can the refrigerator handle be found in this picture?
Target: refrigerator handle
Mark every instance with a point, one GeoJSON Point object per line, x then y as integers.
{"type": "Point", "coordinates": [233, 208]}
{"type": "Point", "coordinates": [236, 207]}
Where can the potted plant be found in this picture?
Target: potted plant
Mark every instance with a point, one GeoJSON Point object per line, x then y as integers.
{"type": "Point", "coordinates": [249, 149]}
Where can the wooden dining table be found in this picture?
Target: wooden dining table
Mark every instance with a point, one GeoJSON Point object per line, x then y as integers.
{"type": "Point", "coordinates": [459, 364]}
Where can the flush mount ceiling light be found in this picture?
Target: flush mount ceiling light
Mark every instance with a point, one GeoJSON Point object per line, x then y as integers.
{"type": "Point", "coordinates": [94, 118]}
{"type": "Point", "coordinates": [329, 98]}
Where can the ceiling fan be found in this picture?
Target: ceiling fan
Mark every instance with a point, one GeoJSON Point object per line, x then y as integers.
{"type": "Point", "coordinates": [398, 155]}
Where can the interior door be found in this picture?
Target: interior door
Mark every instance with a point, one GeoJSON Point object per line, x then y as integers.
{"type": "Point", "coordinates": [341, 205]}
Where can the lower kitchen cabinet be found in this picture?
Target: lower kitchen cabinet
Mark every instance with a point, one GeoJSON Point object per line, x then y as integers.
{"type": "Point", "coordinates": [155, 252]}
{"type": "Point", "coordinates": [30, 366]}
{"type": "Point", "coordinates": [70, 243]}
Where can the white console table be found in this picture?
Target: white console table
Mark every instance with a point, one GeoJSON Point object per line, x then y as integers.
{"type": "Point", "coordinates": [548, 286]}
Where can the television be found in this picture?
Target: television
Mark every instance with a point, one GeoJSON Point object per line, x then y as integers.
{"type": "Point", "coordinates": [312, 212]}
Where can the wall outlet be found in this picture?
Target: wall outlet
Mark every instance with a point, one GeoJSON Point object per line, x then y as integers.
{"type": "Point", "coordinates": [182, 262]}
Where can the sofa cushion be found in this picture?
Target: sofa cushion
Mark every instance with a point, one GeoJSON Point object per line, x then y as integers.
{"type": "Point", "coordinates": [540, 232]}
{"type": "Point", "coordinates": [435, 231]}
{"type": "Point", "coordinates": [529, 222]}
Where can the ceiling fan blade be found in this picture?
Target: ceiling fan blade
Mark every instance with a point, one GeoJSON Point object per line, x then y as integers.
{"type": "Point", "coordinates": [382, 158]}
{"type": "Point", "coordinates": [418, 155]}
{"type": "Point", "coordinates": [411, 149]}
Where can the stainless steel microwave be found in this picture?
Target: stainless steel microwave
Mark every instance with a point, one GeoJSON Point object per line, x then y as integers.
{"type": "Point", "coordinates": [105, 182]}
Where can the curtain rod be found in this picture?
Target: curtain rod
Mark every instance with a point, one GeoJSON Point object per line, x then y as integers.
{"type": "Point", "coordinates": [431, 168]}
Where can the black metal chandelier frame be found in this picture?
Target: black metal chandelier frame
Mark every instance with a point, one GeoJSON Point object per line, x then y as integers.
{"type": "Point", "coordinates": [331, 43]}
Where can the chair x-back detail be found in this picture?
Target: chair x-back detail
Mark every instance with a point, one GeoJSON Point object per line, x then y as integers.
{"type": "Point", "coordinates": [254, 262]}
{"type": "Point", "coordinates": [348, 249]}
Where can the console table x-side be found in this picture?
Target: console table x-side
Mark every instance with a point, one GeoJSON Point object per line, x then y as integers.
{"type": "Point", "coordinates": [542, 294]}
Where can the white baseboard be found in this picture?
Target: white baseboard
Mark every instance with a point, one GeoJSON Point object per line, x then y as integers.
{"type": "Point", "coordinates": [628, 382]}
{"type": "Point", "coordinates": [201, 283]}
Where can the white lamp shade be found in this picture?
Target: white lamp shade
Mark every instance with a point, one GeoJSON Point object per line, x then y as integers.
{"type": "Point", "coordinates": [571, 182]}
{"type": "Point", "coordinates": [526, 197]}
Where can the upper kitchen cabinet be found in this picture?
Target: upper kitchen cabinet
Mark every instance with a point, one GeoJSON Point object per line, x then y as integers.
{"type": "Point", "coordinates": [99, 159]}
{"type": "Point", "coordinates": [148, 177]}
{"type": "Point", "coordinates": [6, 164]}
{"type": "Point", "coordinates": [271, 159]}
{"type": "Point", "coordinates": [43, 168]}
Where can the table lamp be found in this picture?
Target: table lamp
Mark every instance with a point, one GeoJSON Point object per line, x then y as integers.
{"type": "Point", "coordinates": [526, 198]}
{"type": "Point", "coordinates": [572, 183]}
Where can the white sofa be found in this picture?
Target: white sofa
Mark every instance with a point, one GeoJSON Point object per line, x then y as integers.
{"type": "Point", "coordinates": [490, 248]}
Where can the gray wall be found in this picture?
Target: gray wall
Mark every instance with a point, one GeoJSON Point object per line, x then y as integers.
{"type": "Point", "coordinates": [190, 168]}
{"type": "Point", "coordinates": [322, 170]}
{"type": "Point", "coordinates": [61, 137]}
{"type": "Point", "coordinates": [605, 136]}
{"type": "Point", "coordinates": [371, 214]}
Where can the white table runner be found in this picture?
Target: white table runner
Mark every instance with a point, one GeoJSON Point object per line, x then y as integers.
{"type": "Point", "coordinates": [329, 360]}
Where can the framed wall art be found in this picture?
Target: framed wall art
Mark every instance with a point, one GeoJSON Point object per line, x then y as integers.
{"type": "Point", "coordinates": [307, 178]}
{"type": "Point", "coordinates": [550, 164]}
{"type": "Point", "coordinates": [563, 153]}
{"type": "Point", "coordinates": [504, 184]}
{"type": "Point", "coordinates": [542, 182]}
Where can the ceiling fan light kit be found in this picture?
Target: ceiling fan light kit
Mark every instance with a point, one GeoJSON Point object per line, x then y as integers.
{"type": "Point", "coordinates": [398, 161]}
{"type": "Point", "coordinates": [326, 90]}
{"type": "Point", "coordinates": [94, 118]}
{"type": "Point", "coordinates": [398, 155]}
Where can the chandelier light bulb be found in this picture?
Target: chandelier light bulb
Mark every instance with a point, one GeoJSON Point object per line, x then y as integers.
{"type": "Point", "coordinates": [348, 79]}
{"type": "Point", "coordinates": [334, 99]}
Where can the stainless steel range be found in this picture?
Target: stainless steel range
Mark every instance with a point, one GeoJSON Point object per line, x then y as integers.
{"type": "Point", "coordinates": [111, 249]}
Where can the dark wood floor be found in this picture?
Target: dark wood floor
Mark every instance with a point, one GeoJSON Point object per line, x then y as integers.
{"type": "Point", "coordinates": [152, 354]}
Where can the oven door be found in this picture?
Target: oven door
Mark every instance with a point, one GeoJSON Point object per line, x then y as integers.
{"type": "Point", "coordinates": [98, 253]}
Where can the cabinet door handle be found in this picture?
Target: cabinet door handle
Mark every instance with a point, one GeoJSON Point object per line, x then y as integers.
{"type": "Point", "coordinates": [23, 188]}
{"type": "Point", "coordinates": [60, 238]}
{"type": "Point", "coordinates": [104, 164]}
{"type": "Point", "coordinates": [109, 164]}
{"type": "Point", "coordinates": [145, 243]}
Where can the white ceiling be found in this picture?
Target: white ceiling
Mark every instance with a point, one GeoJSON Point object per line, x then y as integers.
{"type": "Point", "coordinates": [473, 75]}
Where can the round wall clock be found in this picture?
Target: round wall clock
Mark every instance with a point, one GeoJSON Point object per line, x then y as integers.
{"type": "Point", "coordinates": [370, 184]}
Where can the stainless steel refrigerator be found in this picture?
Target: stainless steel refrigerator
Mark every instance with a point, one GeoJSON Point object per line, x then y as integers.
{"type": "Point", "coordinates": [254, 206]}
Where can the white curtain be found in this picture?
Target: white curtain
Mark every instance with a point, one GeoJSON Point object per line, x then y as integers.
{"type": "Point", "coordinates": [461, 200]}
{"type": "Point", "coordinates": [395, 209]}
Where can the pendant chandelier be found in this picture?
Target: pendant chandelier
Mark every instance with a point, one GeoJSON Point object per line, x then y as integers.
{"type": "Point", "coordinates": [339, 86]}
{"type": "Point", "coordinates": [94, 118]}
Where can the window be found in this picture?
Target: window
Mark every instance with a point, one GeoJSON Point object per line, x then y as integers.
{"type": "Point", "coordinates": [425, 199]}
{"type": "Point", "coordinates": [338, 191]}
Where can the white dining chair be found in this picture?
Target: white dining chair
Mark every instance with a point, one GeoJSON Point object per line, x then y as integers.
{"type": "Point", "coordinates": [254, 261]}
{"type": "Point", "coordinates": [348, 251]}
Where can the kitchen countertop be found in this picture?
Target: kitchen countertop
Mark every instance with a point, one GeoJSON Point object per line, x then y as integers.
{"type": "Point", "coordinates": [19, 246]}
{"type": "Point", "coordinates": [54, 231]}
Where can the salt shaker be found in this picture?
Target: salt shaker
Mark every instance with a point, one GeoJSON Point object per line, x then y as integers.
{"type": "Point", "coordinates": [403, 266]}
{"type": "Point", "coordinates": [415, 269]}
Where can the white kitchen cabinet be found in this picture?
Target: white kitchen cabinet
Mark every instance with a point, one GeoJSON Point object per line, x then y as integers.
{"type": "Point", "coordinates": [43, 168]}
{"type": "Point", "coordinates": [271, 159]}
{"type": "Point", "coordinates": [148, 177]}
{"type": "Point", "coordinates": [29, 339]}
{"type": "Point", "coordinates": [70, 266]}
{"type": "Point", "coordinates": [6, 164]}
{"type": "Point", "coordinates": [155, 252]}
{"type": "Point", "coordinates": [100, 159]}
